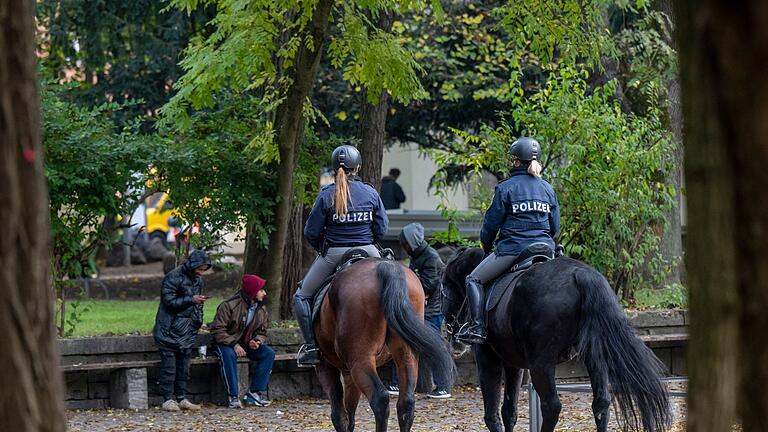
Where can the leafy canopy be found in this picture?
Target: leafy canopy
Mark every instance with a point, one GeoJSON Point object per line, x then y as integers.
{"type": "Point", "coordinates": [253, 41]}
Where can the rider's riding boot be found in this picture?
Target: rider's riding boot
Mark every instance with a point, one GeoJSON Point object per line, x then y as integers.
{"type": "Point", "coordinates": [308, 355]}
{"type": "Point", "coordinates": [475, 333]}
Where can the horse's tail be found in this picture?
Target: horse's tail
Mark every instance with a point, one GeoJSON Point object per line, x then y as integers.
{"type": "Point", "coordinates": [607, 343]}
{"type": "Point", "coordinates": [402, 319]}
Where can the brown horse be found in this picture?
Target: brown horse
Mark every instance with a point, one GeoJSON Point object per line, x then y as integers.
{"type": "Point", "coordinates": [374, 311]}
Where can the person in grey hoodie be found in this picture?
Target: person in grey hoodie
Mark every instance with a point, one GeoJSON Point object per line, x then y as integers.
{"type": "Point", "coordinates": [426, 263]}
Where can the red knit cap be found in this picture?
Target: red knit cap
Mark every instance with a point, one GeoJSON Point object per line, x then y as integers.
{"type": "Point", "coordinates": [252, 284]}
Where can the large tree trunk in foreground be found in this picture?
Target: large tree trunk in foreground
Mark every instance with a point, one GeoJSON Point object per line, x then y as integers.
{"type": "Point", "coordinates": [289, 123]}
{"type": "Point", "coordinates": [29, 362]}
{"type": "Point", "coordinates": [724, 58]}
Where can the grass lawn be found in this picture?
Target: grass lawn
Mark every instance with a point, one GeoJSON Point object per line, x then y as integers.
{"type": "Point", "coordinates": [120, 317]}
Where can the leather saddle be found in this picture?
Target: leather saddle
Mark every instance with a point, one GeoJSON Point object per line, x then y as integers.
{"type": "Point", "coordinates": [350, 257]}
{"type": "Point", "coordinates": [534, 254]}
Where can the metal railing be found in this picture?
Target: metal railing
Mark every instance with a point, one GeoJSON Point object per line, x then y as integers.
{"type": "Point", "coordinates": [534, 402]}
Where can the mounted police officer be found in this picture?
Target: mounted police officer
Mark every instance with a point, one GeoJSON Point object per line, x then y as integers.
{"type": "Point", "coordinates": [347, 214]}
{"type": "Point", "coordinates": [524, 211]}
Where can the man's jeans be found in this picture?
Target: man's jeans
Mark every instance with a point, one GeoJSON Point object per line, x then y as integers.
{"type": "Point", "coordinates": [439, 376]}
{"type": "Point", "coordinates": [263, 359]}
{"type": "Point", "coordinates": [174, 371]}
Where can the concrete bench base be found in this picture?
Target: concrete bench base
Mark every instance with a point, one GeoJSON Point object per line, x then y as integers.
{"type": "Point", "coordinates": [128, 388]}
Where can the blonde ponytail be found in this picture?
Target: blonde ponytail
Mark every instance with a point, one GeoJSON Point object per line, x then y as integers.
{"type": "Point", "coordinates": [342, 193]}
{"type": "Point", "coordinates": [534, 168]}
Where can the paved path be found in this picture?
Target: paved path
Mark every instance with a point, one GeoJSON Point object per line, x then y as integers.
{"type": "Point", "coordinates": [463, 412]}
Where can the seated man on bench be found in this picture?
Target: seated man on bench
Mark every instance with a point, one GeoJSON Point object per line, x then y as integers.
{"type": "Point", "coordinates": [239, 330]}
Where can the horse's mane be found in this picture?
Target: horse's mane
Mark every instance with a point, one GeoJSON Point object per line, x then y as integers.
{"type": "Point", "coordinates": [459, 252]}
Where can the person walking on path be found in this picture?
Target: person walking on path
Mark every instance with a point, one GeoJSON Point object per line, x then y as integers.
{"type": "Point", "coordinates": [179, 317]}
{"type": "Point", "coordinates": [392, 194]}
{"type": "Point", "coordinates": [240, 330]}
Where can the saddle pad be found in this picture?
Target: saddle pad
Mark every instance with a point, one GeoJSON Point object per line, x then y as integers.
{"type": "Point", "coordinates": [500, 286]}
{"type": "Point", "coordinates": [318, 300]}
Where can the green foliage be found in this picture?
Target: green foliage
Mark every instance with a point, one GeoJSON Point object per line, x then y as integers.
{"type": "Point", "coordinates": [607, 167]}
{"type": "Point", "coordinates": [213, 173]}
{"type": "Point", "coordinates": [569, 31]}
{"type": "Point", "coordinates": [253, 42]}
{"type": "Point", "coordinates": [672, 296]}
{"type": "Point", "coordinates": [119, 50]}
{"type": "Point", "coordinates": [91, 173]}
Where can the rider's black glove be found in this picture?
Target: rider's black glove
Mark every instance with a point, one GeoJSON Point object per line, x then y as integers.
{"type": "Point", "coordinates": [559, 251]}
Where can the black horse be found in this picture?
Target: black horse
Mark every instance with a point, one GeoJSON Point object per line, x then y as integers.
{"type": "Point", "coordinates": [560, 308]}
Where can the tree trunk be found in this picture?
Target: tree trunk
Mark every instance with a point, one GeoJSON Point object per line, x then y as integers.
{"type": "Point", "coordinates": [293, 260]}
{"type": "Point", "coordinates": [723, 58]}
{"type": "Point", "coordinates": [672, 239]}
{"type": "Point", "coordinates": [29, 360]}
{"type": "Point", "coordinates": [289, 122]}
{"type": "Point", "coordinates": [373, 120]}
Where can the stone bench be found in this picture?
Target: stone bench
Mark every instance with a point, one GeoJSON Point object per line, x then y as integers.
{"type": "Point", "coordinates": [124, 371]}
{"type": "Point", "coordinates": [128, 387]}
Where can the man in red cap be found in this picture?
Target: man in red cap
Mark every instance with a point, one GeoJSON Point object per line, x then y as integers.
{"type": "Point", "coordinates": [240, 330]}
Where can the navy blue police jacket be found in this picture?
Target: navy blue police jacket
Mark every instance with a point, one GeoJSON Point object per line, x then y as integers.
{"type": "Point", "coordinates": [365, 223]}
{"type": "Point", "coordinates": [524, 211]}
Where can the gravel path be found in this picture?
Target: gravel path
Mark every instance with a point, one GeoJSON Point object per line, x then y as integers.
{"type": "Point", "coordinates": [463, 412]}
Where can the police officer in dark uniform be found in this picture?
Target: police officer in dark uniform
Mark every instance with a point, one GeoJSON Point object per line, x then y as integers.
{"type": "Point", "coordinates": [347, 214]}
{"type": "Point", "coordinates": [524, 211]}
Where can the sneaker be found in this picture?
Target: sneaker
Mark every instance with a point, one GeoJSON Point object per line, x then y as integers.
{"type": "Point", "coordinates": [170, 405]}
{"type": "Point", "coordinates": [185, 404]}
{"type": "Point", "coordinates": [256, 399]}
{"type": "Point", "coordinates": [393, 390]}
{"type": "Point", "coordinates": [439, 394]}
{"type": "Point", "coordinates": [234, 402]}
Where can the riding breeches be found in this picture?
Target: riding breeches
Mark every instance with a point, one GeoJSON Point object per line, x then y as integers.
{"type": "Point", "coordinates": [492, 266]}
{"type": "Point", "coordinates": [323, 266]}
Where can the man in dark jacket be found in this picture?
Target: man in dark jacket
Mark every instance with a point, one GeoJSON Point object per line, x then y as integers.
{"type": "Point", "coordinates": [391, 193]}
{"type": "Point", "coordinates": [426, 263]}
{"type": "Point", "coordinates": [239, 330]}
{"type": "Point", "coordinates": [178, 319]}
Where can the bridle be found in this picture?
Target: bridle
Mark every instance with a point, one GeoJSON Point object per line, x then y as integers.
{"type": "Point", "coordinates": [451, 322]}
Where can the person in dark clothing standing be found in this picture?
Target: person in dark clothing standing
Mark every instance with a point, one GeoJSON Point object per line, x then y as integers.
{"type": "Point", "coordinates": [240, 330]}
{"type": "Point", "coordinates": [179, 317]}
{"type": "Point", "coordinates": [426, 263]}
{"type": "Point", "coordinates": [391, 193]}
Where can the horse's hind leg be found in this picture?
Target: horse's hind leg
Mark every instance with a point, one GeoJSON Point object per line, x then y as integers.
{"type": "Point", "coordinates": [407, 374]}
{"type": "Point", "coordinates": [513, 379]}
{"type": "Point", "coordinates": [601, 399]}
{"type": "Point", "coordinates": [489, 371]}
{"type": "Point", "coordinates": [544, 382]}
{"type": "Point", "coordinates": [351, 400]}
{"type": "Point", "coordinates": [330, 379]}
{"type": "Point", "coordinates": [367, 380]}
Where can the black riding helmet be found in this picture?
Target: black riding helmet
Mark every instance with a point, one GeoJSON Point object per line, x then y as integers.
{"type": "Point", "coordinates": [525, 149]}
{"type": "Point", "coordinates": [346, 157]}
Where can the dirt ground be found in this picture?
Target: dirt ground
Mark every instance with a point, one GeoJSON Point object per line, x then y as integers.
{"type": "Point", "coordinates": [463, 412]}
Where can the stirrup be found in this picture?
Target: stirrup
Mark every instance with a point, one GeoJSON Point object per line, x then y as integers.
{"type": "Point", "coordinates": [308, 357]}
{"type": "Point", "coordinates": [471, 336]}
